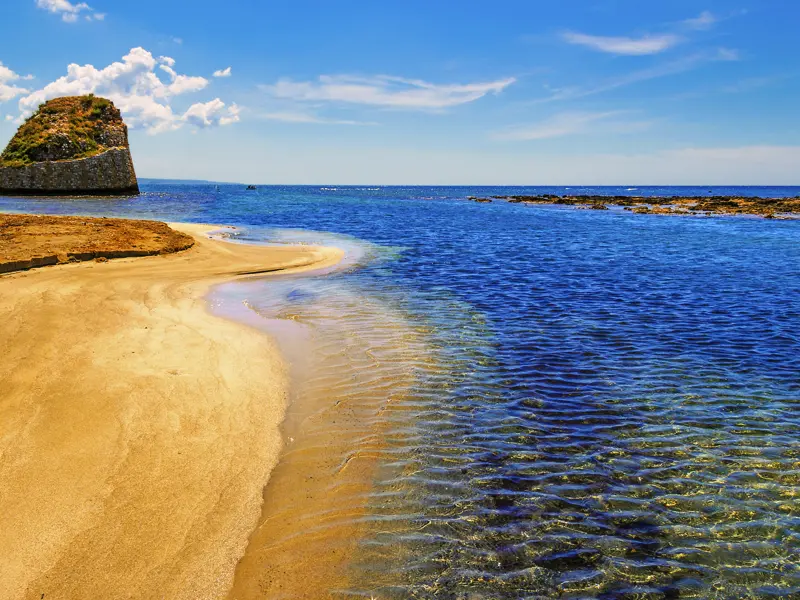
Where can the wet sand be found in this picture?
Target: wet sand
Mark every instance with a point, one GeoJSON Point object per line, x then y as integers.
{"type": "Point", "coordinates": [354, 359]}
{"type": "Point", "coordinates": [137, 430]}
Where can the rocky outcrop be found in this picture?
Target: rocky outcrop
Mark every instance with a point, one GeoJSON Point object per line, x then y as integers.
{"type": "Point", "coordinates": [71, 146]}
{"type": "Point", "coordinates": [771, 208]}
{"type": "Point", "coordinates": [29, 241]}
{"type": "Point", "coordinates": [108, 173]}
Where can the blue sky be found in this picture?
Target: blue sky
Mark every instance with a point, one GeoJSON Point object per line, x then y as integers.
{"type": "Point", "coordinates": [503, 92]}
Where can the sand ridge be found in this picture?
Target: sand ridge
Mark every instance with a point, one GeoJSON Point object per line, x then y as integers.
{"type": "Point", "coordinates": [137, 430]}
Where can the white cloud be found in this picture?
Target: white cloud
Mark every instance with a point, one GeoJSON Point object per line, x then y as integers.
{"type": "Point", "coordinates": [70, 12]}
{"type": "Point", "coordinates": [569, 123]}
{"type": "Point", "coordinates": [167, 67]}
{"type": "Point", "coordinates": [184, 84]}
{"type": "Point", "coordinates": [7, 74]}
{"type": "Point", "coordinates": [136, 89]}
{"type": "Point", "coordinates": [211, 114]}
{"type": "Point", "coordinates": [7, 89]}
{"type": "Point", "coordinates": [385, 91]}
{"type": "Point", "coordinates": [223, 73]}
{"type": "Point", "coordinates": [301, 117]}
{"type": "Point", "coordinates": [9, 92]}
{"type": "Point", "coordinates": [705, 20]}
{"type": "Point", "coordinates": [624, 45]}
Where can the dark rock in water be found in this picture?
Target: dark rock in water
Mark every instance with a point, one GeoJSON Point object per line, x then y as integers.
{"type": "Point", "coordinates": [481, 200]}
{"type": "Point", "coordinates": [778, 208]}
{"type": "Point", "coordinates": [251, 187]}
{"type": "Point", "coordinates": [76, 145]}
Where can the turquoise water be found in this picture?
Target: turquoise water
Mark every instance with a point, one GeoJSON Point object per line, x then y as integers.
{"type": "Point", "coordinates": [609, 406]}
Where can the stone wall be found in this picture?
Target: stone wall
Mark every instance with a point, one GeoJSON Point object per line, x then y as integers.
{"type": "Point", "coordinates": [108, 173]}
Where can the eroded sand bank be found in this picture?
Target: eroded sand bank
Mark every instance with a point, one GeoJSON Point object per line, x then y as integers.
{"type": "Point", "coordinates": [137, 431]}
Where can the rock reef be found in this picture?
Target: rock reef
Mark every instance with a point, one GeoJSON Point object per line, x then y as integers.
{"type": "Point", "coordinates": [76, 145]}
{"type": "Point", "coordinates": [768, 208]}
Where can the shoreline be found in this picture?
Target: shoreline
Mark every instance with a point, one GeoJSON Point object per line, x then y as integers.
{"type": "Point", "coordinates": [348, 357]}
{"type": "Point", "coordinates": [135, 441]}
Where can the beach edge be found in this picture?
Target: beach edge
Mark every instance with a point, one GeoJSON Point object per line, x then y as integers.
{"type": "Point", "coordinates": [167, 414]}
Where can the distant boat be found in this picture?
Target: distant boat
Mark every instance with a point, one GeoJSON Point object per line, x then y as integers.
{"type": "Point", "coordinates": [251, 187]}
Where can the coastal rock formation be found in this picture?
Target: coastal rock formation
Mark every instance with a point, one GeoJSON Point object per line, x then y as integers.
{"type": "Point", "coordinates": [76, 145]}
{"type": "Point", "coordinates": [769, 208]}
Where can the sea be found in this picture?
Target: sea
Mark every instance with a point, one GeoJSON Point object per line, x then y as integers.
{"type": "Point", "coordinates": [559, 403]}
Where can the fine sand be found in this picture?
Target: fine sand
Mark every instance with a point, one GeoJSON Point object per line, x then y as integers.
{"type": "Point", "coordinates": [137, 430]}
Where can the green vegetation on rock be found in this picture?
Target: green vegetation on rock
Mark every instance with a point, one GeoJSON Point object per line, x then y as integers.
{"type": "Point", "coordinates": [66, 129]}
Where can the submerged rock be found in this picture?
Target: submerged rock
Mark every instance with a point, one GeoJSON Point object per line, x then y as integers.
{"type": "Point", "coordinates": [75, 145]}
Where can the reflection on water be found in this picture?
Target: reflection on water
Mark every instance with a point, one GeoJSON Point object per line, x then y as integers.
{"type": "Point", "coordinates": [544, 403]}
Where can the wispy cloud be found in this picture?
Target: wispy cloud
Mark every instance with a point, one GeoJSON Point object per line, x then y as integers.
{"type": "Point", "coordinates": [754, 83]}
{"type": "Point", "coordinates": [742, 86]}
{"type": "Point", "coordinates": [648, 44]}
{"type": "Point", "coordinates": [302, 117]}
{"type": "Point", "coordinates": [223, 72]}
{"type": "Point", "coordinates": [385, 91]}
{"type": "Point", "coordinates": [705, 20]}
{"type": "Point", "coordinates": [70, 12]}
{"type": "Point", "coordinates": [670, 68]}
{"type": "Point", "coordinates": [572, 123]}
{"type": "Point", "coordinates": [727, 54]}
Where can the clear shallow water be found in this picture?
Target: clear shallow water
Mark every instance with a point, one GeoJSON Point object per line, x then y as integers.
{"type": "Point", "coordinates": [609, 405]}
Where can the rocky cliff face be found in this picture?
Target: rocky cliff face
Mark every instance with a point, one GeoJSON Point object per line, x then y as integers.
{"type": "Point", "coordinates": [72, 146]}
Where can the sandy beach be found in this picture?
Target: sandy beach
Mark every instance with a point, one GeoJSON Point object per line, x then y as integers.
{"type": "Point", "coordinates": [137, 430]}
